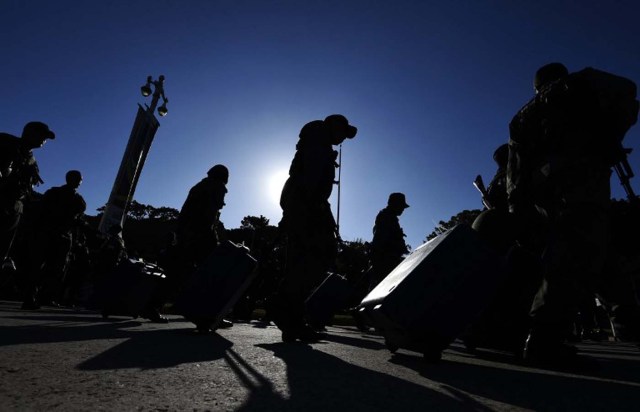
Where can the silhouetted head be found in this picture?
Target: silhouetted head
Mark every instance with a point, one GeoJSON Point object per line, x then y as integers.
{"type": "Point", "coordinates": [73, 178]}
{"type": "Point", "coordinates": [220, 173]}
{"type": "Point", "coordinates": [339, 128]}
{"type": "Point", "coordinates": [548, 74]}
{"type": "Point", "coordinates": [397, 202]}
{"type": "Point", "coordinates": [36, 133]}
{"type": "Point", "coordinates": [501, 155]}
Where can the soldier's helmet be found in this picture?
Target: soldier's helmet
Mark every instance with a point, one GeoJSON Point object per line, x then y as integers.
{"type": "Point", "coordinates": [547, 74]}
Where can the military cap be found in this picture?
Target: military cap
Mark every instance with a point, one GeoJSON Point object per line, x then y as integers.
{"type": "Point", "coordinates": [38, 129]}
{"type": "Point", "coordinates": [397, 199]}
{"type": "Point", "coordinates": [341, 120]}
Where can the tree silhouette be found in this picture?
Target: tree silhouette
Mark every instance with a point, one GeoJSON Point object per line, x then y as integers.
{"type": "Point", "coordinates": [353, 259]}
{"type": "Point", "coordinates": [254, 222]}
{"type": "Point", "coordinates": [140, 211]}
{"type": "Point", "coordinates": [466, 216]}
{"type": "Point", "coordinates": [163, 213]}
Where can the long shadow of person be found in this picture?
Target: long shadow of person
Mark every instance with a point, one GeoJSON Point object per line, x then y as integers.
{"type": "Point", "coordinates": [321, 382]}
{"type": "Point", "coordinates": [533, 389]}
{"type": "Point", "coordinates": [64, 329]}
{"type": "Point", "coordinates": [617, 361]}
{"type": "Point", "coordinates": [160, 348]}
{"type": "Point", "coordinates": [146, 349]}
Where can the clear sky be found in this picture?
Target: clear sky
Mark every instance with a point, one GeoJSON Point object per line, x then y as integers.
{"type": "Point", "coordinates": [430, 85]}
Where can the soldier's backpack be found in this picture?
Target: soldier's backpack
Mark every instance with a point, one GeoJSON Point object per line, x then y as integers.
{"type": "Point", "coordinates": [587, 111]}
{"type": "Point", "coordinates": [584, 115]}
{"type": "Point", "coordinates": [615, 100]}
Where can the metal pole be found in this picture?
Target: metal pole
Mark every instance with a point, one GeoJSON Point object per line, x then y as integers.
{"type": "Point", "coordinates": [339, 184]}
{"type": "Point", "coordinates": [159, 91]}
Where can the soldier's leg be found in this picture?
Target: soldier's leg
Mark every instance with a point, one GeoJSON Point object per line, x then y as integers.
{"type": "Point", "coordinates": [37, 255]}
{"type": "Point", "coordinates": [55, 267]}
{"type": "Point", "coordinates": [574, 257]}
{"type": "Point", "coordinates": [306, 267]}
{"type": "Point", "coordinates": [9, 221]}
{"type": "Point", "coordinates": [285, 308]}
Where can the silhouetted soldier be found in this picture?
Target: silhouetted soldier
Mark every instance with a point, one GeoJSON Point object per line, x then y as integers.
{"type": "Point", "coordinates": [197, 234]}
{"type": "Point", "coordinates": [18, 174]}
{"type": "Point", "coordinates": [562, 146]}
{"type": "Point", "coordinates": [388, 246]}
{"type": "Point", "coordinates": [386, 251]}
{"type": "Point", "coordinates": [504, 324]}
{"type": "Point", "coordinates": [198, 221]}
{"type": "Point", "coordinates": [308, 222]}
{"type": "Point", "coordinates": [61, 207]}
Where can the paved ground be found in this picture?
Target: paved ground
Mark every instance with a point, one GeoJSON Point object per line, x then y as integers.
{"type": "Point", "coordinates": [57, 359]}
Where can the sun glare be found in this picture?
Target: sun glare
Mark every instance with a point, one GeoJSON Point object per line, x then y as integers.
{"type": "Point", "coordinates": [275, 184]}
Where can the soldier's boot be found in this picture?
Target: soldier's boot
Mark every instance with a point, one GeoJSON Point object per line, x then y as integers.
{"type": "Point", "coordinates": [547, 351]}
{"type": "Point", "coordinates": [543, 348]}
{"type": "Point", "coordinates": [291, 322]}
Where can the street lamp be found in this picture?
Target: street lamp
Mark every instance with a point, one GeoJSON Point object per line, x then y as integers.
{"type": "Point", "coordinates": [159, 92]}
{"type": "Point", "coordinates": [162, 110]}
{"type": "Point", "coordinates": [146, 89]}
{"type": "Point", "coordinates": [144, 129]}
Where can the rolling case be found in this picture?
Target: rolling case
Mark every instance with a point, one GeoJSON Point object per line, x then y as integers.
{"type": "Point", "coordinates": [329, 297]}
{"type": "Point", "coordinates": [212, 290]}
{"type": "Point", "coordinates": [129, 289]}
{"type": "Point", "coordinates": [438, 290]}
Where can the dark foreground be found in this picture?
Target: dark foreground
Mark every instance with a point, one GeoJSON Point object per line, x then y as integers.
{"type": "Point", "coordinates": [58, 359]}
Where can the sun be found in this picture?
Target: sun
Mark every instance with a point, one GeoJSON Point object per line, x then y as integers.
{"type": "Point", "coordinates": [275, 184]}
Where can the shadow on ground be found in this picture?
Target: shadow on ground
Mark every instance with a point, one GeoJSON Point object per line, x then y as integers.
{"type": "Point", "coordinates": [160, 349]}
{"type": "Point", "coordinates": [146, 349]}
{"type": "Point", "coordinates": [321, 382]}
{"type": "Point", "coordinates": [536, 389]}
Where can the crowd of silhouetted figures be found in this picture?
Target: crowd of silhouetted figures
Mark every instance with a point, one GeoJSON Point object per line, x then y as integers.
{"type": "Point", "coordinates": [93, 256]}
{"type": "Point", "coordinates": [547, 261]}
